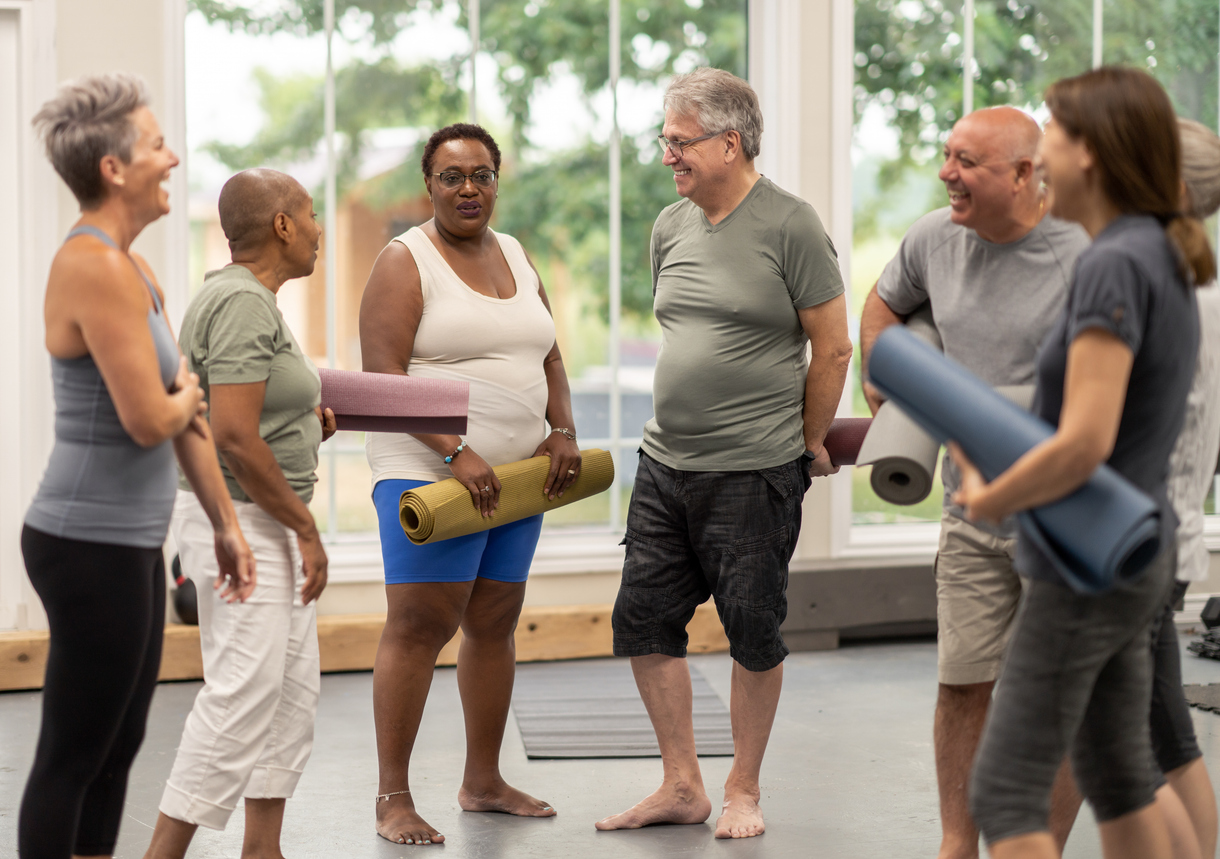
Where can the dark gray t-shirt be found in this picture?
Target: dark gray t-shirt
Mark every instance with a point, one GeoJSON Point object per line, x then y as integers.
{"type": "Point", "coordinates": [729, 388]}
{"type": "Point", "coordinates": [993, 303]}
{"type": "Point", "coordinates": [1128, 283]}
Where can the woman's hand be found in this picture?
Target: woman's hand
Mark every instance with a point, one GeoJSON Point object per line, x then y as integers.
{"type": "Point", "coordinates": [314, 564]}
{"type": "Point", "coordinates": [565, 463]}
{"type": "Point", "coordinates": [189, 395]}
{"type": "Point", "coordinates": [473, 472]}
{"type": "Point", "coordinates": [972, 493]}
{"type": "Point", "coordinates": [329, 425]}
{"type": "Point", "coordinates": [237, 574]}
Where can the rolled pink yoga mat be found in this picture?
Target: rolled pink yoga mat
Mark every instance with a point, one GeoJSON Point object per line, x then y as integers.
{"type": "Point", "coordinates": [384, 402]}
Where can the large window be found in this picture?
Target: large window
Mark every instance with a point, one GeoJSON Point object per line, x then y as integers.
{"type": "Point", "coordinates": [911, 85]}
{"type": "Point", "coordinates": [543, 82]}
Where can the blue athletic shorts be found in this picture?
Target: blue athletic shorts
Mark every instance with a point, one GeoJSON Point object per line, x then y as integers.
{"type": "Point", "coordinates": [502, 553]}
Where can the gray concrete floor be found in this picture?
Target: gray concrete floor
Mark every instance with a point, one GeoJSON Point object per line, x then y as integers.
{"type": "Point", "coordinates": [849, 772]}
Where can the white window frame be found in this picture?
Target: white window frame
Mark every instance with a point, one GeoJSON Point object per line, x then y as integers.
{"type": "Point", "coordinates": [26, 248]}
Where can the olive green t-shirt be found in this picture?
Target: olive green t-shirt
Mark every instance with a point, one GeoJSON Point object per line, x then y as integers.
{"type": "Point", "coordinates": [234, 334]}
{"type": "Point", "coordinates": [729, 389]}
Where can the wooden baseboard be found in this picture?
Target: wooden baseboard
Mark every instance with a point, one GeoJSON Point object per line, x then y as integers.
{"type": "Point", "coordinates": [348, 642]}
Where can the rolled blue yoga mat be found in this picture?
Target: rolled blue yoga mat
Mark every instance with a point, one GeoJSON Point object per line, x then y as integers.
{"type": "Point", "coordinates": [1104, 532]}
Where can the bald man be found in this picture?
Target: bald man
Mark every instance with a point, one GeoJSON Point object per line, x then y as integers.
{"type": "Point", "coordinates": [995, 269]}
{"type": "Point", "coordinates": [250, 731]}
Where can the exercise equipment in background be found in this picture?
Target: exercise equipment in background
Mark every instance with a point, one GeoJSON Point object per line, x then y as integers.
{"type": "Point", "coordinates": [442, 510]}
{"type": "Point", "coordinates": [185, 598]}
{"type": "Point", "coordinates": [386, 402]}
{"type": "Point", "coordinates": [1105, 531]}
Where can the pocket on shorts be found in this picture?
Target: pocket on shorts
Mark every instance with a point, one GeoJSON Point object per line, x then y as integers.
{"type": "Point", "coordinates": [780, 479]}
{"type": "Point", "coordinates": [757, 569]}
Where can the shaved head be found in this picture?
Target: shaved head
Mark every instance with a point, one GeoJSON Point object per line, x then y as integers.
{"type": "Point", "coordinates": [250, 201]}
{"type": "Point", "coordinates": [1010, 133]}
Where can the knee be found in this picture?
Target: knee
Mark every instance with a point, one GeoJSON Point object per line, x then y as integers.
{"type": "Point", "coordinates": [490, 628]}
{"type": "Point", "coordinates": [967, 696]}
{"type": "Point", "coordinates": [412, 630]}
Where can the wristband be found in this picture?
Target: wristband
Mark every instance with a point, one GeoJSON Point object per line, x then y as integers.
{"type": "Point", "coordinates": [461, 447]}
{"type": "Point", "coordinates": [565, 432]}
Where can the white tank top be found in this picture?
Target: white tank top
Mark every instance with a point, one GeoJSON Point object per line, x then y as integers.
{"type": "Point", "coordinates": [497, 345]}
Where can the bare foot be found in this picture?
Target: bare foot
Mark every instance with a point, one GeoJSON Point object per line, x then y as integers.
{"type": "Point", "coordinates": [740, 818]}
{"type": "Point", "coordinates": [397, 821]}
{"type": "Point", "coordinates": [669, 804]}
{"type": "Point", "coordinates": [503, 798]}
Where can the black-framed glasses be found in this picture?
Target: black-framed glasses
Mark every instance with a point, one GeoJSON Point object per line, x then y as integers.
{"type": "Point", "coordinates": [675, 146]}
{"type": "Point", "coordinates": [453, 179]}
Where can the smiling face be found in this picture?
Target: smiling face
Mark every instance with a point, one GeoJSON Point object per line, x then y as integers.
{"type": "Point", "coordinates": [980, 174]}
{"type": "Point", "coordinates": [139, 182]}
{"type": "Point", "coordinates": [466, 209]}
{"type": "Point", "coordinates": [701, 169]}
{"type": "Point", "coordinates": [1066, 167]}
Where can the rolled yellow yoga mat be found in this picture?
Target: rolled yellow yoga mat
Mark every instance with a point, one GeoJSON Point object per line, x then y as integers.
{"type": "Point", "coordinates": [443, 509]}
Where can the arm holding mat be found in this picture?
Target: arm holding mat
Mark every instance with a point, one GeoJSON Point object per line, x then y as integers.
{"type": "Point", "coordinates": [1102, 532]}
{"type": "Point", "coordinates": [443, 510]}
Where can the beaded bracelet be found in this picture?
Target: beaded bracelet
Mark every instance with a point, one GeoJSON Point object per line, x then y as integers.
{"type": "Point", "coordinates": [461, 447]}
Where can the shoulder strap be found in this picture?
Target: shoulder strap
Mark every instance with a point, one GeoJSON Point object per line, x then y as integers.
{"type": "Point", "coordinates": [88, 230]}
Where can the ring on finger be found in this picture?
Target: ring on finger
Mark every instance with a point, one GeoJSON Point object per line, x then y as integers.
{"type": "Point", "coordinates": [485, 489]}
{"type": "Point", "coordinates": [571, 471]}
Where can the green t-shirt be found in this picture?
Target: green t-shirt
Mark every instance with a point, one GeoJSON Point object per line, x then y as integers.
{"type": "Point", "coordinates": [729, 388]}
{"type": "Point", "coordinates": [234, 334]}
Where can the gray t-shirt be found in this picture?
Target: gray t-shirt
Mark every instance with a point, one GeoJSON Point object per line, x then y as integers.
{"type": "Point", "coordinates": [1128, 284]}
{"type": "Point", "coordinates": [729, 388]}
{"type": "Point", "coordinates": [234, 334]}
{"type": "Point", "coordinates": [993, 303]}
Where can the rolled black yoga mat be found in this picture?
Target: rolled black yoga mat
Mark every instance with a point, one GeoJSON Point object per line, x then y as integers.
{"type": "Point", "coordinates": [1105, 531]}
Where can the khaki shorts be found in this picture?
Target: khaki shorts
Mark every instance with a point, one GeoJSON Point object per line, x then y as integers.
{"type": "Point", "coordinates": [977, 592]}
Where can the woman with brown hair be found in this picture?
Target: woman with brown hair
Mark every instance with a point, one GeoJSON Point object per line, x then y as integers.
{"type": "Point", "coordinates": [1113, 376]}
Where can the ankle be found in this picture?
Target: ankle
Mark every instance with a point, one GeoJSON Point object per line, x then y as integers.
{"type": "Point", "coordinates": [734, 788]}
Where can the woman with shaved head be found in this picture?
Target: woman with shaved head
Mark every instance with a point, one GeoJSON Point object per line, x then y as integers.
{"type": "Point", "coordinates": [250, 731]}
{"type": "Point", "coordinates": [125, 405]}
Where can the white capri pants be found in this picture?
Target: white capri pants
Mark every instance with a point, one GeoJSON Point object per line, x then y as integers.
{"type": "Point", "coordinates": [250, 730]}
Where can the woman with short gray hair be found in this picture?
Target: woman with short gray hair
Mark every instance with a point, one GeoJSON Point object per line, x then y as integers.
{"type": "Point", "coordinates": [93, 533]}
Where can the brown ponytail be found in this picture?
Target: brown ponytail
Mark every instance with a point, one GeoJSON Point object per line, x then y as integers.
{"type": "Point", "coordinates": [1126, 119]}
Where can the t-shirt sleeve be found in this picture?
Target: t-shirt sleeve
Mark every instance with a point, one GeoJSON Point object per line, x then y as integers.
{"type": "Point", "coordinates": [243, 337]}
{"type": "Point", "coordinates": [901, 285]}
{"type": "Point", "coordinates": [1110, 292]}
{"type": "Point", "coordinates": [811, 265]}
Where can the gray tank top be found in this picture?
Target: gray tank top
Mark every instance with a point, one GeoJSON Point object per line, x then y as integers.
{"type": "Point", "coordinates": [100, 485]}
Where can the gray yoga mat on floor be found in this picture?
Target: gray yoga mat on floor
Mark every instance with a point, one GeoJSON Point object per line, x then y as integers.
{"type": "Point", "coordinates": [1204, 696]}
{"type": "Point", "coordinates": [593, 710]}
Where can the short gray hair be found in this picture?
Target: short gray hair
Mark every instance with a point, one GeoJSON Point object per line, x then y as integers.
{"type": "Point", "coordinates": [1200, 167]}
{"type": "Point", "coordinates": [88, 119]}
{"type": "Point", "coordinates": [719, 101]}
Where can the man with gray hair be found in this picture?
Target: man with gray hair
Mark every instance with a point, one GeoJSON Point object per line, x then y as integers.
{"type": "Point", "coordinates": [745, 281]}
{"type": "Point", "coordinates": [995, 269]}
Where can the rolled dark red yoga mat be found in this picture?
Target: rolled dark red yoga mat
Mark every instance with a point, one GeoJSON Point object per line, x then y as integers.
{"type": "Point", "coordinates": [844, 438]}
{"type": "Point", "coordinates": [385, 402]}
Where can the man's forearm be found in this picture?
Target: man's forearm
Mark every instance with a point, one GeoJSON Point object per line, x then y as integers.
{"type": "Point", "coordinates": [823, 390]}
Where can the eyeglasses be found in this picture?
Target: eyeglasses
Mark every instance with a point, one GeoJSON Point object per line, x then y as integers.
{"type": "Point", "coordinates": [452, 179]}
{"type": "Point", "coordinates": [675, 146]}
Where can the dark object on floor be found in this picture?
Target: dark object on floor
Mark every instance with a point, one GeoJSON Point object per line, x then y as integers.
{"type": "Point", "coordinates": [1204, 696]}
{"type": "Point", "coordinates": [1207, 644]}
{"type": "Point", "coordinates": [593, 710]}
{"type": "Point", "coordinates": [1211, 613]}
{"type": "Point", "coordinates": [186, 600]}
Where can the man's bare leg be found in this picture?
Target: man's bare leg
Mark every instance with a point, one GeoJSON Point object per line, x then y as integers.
{"type": "Point", "coordinates": [1182, 838]}
{"type": "Point", "coordinates": [961, 712]}
{"type": "Point", "coordinates": [664, 683]}
{"type": "Point", "coordinates": [1193, 786]}
{"type": "Point", "coordinates": [755, 696]}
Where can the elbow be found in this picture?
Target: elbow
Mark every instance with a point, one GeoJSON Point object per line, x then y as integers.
{"type": "Point", "coordinates": [1081, 456]}
{"type": "Point", "coordinates": [149, 432]}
